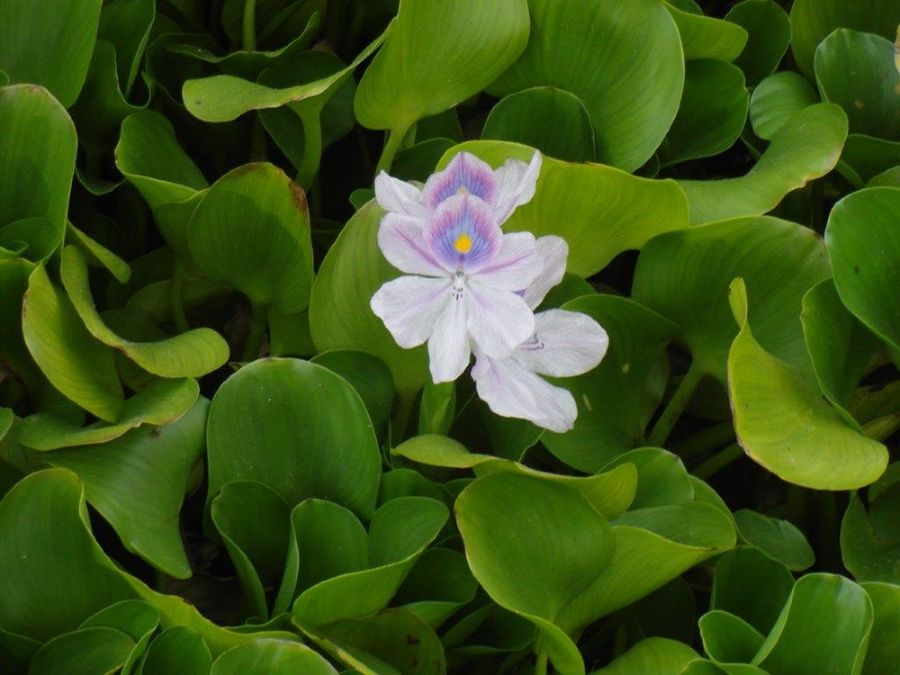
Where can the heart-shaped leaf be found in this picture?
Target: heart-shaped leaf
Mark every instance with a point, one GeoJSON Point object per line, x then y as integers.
{"type": "Point", "coordinates": [652, 655]}
{"type": "Point", "coordinates": [177, 648]}
{"type": "Point", "coordinates": [776, 99]}
{"type": "Point", "coordinates": [769, 35]}
{"type": "Point", "coordinates": [706, 37]}
{"type": "Point", "coordinates": [276, 657]}
{"type": "Point", "coordinates": [777, 538]}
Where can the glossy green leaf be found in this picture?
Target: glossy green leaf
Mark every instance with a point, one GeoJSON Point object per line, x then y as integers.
{"type": "Point", "coordinates": [369, 376]}
{"type": "Point", "coordinates": [437, 408]}
{"type": "Point", "coordinates": [276, 657]}
{"type": "Point", "coordinates": [438, 585]}
{"type": "Point", "coordinates": [824, 627]}
{"type": "Point", "coordinates": [598, 52]}
{"type": "Point", "coordinates": [161, 403]}
{"type": "Point", "coordinates": [857, 71]}
{"type": "Point", "coordinates": [806, 147]}
{"type": "Point", "coordinates": [143, 513]}
{"type": "Point", "coordinates": [38, 152]}
{"type": "Point", "coordinates": [673, 277]}
{"type": "Point", "coordinates": [88, 651]}
{"type": "Point", "coordinates": [864, 246]}
{"type": "Point", "coordinates": [272, 422]}
{"type": "Point", "coordinates": [98, 255]}
{"type": "Point", "coordinates": [779, 539]}
{"type": "Point", "coordinates": [868, 554]}
{"type": "Point", "coordinates": [662, 478]}
{"type": "Point", "coordinates": [776, 99]}
{"type": "Point", "coordinates": [33, 238]}
{"type": "Point", "coordinates": [191, 354]}
{"type": "Point", "coordinates": [713, 110]}
{"type": "Point", "coordinates": [727, 637]}
{"type": "Point", "coordinates": [136, 619]}
{"type": "Point", "coordinates": [769, 35]}
{"type": "Point", "coordinates": [436, 56]}
{"type": "Point", "coordinates": [127, 23]}
{"type": "Point", "coordinates": [251, 231]}
{"type": "Point", "coordinates": [864, 157]}
{"type": "Point", "coordinates": [706, 37]}
{"type": "Point", "coordinates": [546, 118]}
{"type": "Point", "coordinates": [74, 362]}
{"type": "Point", "coordinates": [752, 586]}
{"type": "Point", "coordinates": [339, 312]}
{"type": "Point", "coordinates": [49, 45]}
{"type": "Point", "coordinates": [840, 347]}
{"type": "Point", "coordinates": [813, 20]}
{"type": "Point", "coordinates": [177, 648]}
{"type": "Point", "coordinates": [883, 650]}
{"type": "Point", "coordinates": [795, 434]}
{"type": "Point", "coordinates": [607, 210]}
{"type": "Point", "coordinates": [658, 655]}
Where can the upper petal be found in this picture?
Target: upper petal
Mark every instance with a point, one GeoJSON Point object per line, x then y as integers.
{"type": "Point", "coordinates": [515, 265]}
{"type": "Point", "coordinates": [498, 321]}
{"type": "Point", "coordinates": [564, 344]}
{"type": "Point", "coordinates": [463, 233]}
{"type": "Point", "coordinates": [553, 252]}
{"type": "Point", "coordinates": [466, 174]}
{"type": "Point", "coordinates": [448, 347]}
{"type": "Point", "coordinates": [516, 183]}
{"type": "Point", "coordinates": [398, 196]}
{"type": "Point", "coordinates": [410, 306]}
{"type": "Point", "coordinates": [401, 239]}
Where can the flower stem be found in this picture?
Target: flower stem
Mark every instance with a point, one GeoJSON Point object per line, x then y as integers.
{"type": "Point", "coordinates": [312, 146]}
{"type": "Point", "coordinates": [540, 666]}
{"type": "Point", "coordinates": [256, 334]}
{"type": "Point", "coordinates": [394, 141]}
{"type": "Point", "coordinates": [675, 406]}
{"type": "Point", "coordinates": [705, 440]}
{"type": "Point", "coordinates": [718, 461]}
{"type": "Point", "coordinates": [249, 25]}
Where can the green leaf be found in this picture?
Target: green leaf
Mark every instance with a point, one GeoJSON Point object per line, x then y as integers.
{"type": "Point", "coordinates": [273, 422]}
{"type": "Point", "coordinates": [673, 277]}
{"type": "Point", "coordinates": [143, 512]}
{"type": "Point", "coordinates": [806, 147]}
{"type": "Point", "coordinates": [883, 650]}
{"type": "Point", "coordinates": [38, 151]}
{"type": "Point", "coordinates": [706, 37]}
{"type": "Point", "coordinates": [824, 627]}
{"type": "Point", "coordinates": [48, 46]}
{"type": "Point", "coordinates": [598, 52]}
{"type": "Point", "coordinates": [126, 24]}
{"type": "Point", "coordinates": [549, 119]}
{"type": "Point", "coordinates": [864, 246]}
{"type": "Point", "coordinates": [99, 256]}
{"type": "Point", "coordinates": [607, 210]}
{"type": "Point", "coordinates": [813, 20]}
{"type": "Point", "coordinates": [657, 655]}
{"type": "Point", "coordinates": [779, 539]}
{"type": "Point", "coordinates": [161, 403]}
{"type": "Point", "coordinates": [864, 157]}
{"type": "Point", "coordinates": [534, 546]}
{"type": "Point", "coordinates": [369, 376]}
{"type": "Point", "coordinates": [251, 231]}
{"type": "Point", "coordinates": [191, 354]}
{"type": "Point", "coordinates": [436, 56]}
{"type": "Point", "coordinates": [769, 29]}
{"type": "Point", "coordinates": [177, 649]}
{"type": "Point", "coordinates": [438, 585]}
{"type": "Point", "coordinates": [727, 637]}
{"type": "Point", "coordinates": [840, 347]}
{"type": "Point", "coordinates": [136, 619]}
{"type": "Point", "coordinates": [867, 553]}
{"type": "Point", "coordinates": [662, 478]}
{"type": "Point", "coordinates": [776, 99]}
{"type": "Point", "coordinates": [339, 312]}
{"type": "Point", "coordinates": [276, 657]}
{"type": "Point", "coordinates": [75, 363]}
{"type": "Point", "coordinates": [713, 110]}
{"type": "Point", "coordinates": [752, 586]}
{"type": "Point", "coordinates": [34, 238]}
{"type": "Point", "coordinates": [856, 71]}
{"type": "Point", "coordinates": [437, 408]}
{"type": "Point", "coordinates": [784, 424]}
{"type": "Point", "coordinates": [83, 652]}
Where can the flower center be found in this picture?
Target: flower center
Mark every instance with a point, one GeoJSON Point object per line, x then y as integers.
{"type": "Point", "coordinates": [463, 243]}
{"type": "Point", "coordinates": [459, 283]}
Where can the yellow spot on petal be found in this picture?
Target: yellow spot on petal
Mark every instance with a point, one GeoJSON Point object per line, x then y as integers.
{"type": "Point", "coordinates": [463, 243]}
{"type": "Point", "coordinates": [463, 190]}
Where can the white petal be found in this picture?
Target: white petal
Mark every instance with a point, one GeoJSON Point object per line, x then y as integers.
{"type": "Point", "coordinates": [409, 307]}
{"type": "Point", "coordinates": [516, 184]}
{"type": "Point", "coordinates": [402, 241]}
{"type": "Point", "coordinates": [553, 251]}
{"type": "Point", "coordinates": [513, 267]}
{"type": "Point", "coordinates": [565, 344]}
{"type": "Point", "coordinates": [398, 196]}
{"type": "Point", "coordinates": [511, 390]}
{"type": "Point", "coordinates": [448, 347]}
{"type": "Point", "coordinates": [498, 321]}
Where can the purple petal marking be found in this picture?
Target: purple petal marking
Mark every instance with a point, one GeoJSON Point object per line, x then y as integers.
{"type": "Point", "coordinates": [463, 233]}
{"type": "Point", "coordinates": [515, 265]}
{"type": "Point", "coordinates": [465, 174]}
{"type": "Point", "coordinates": [402, 242]}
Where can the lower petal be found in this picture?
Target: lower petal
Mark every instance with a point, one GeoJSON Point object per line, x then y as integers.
{"type": "Point", "coordinates": [410, 306]}
{"type": "Point", "coordinates": [498, 321]}
{"type": "Point", "coordinates": [564, 344]}
{"type": "Point", "coordinates": [514, 266]}
{"type": "Point", "coordinates": [448, 347]}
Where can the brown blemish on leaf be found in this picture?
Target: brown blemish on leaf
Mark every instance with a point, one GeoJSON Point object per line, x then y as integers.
{"type": "Point", "coordinates": [299, 197]}
{"type": "Point", "coordinates": [858, 104]}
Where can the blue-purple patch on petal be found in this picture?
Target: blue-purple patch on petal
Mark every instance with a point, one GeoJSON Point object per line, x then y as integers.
{"type": "Point", "coordinates": [465, 174]}
{"type": "Point", "coordinates": [463, 233]}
